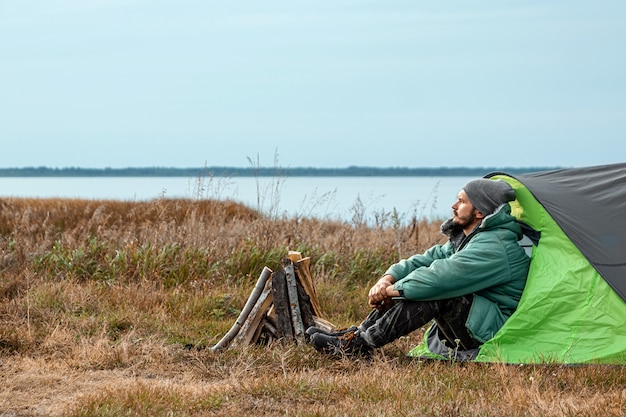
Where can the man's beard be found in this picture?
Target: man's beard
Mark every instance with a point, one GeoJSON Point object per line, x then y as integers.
{"type": "Point", "coordinates": [463, 221]}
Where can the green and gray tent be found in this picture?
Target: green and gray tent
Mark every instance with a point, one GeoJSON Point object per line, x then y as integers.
{"type": "Point", "coordinates": [573, 309]}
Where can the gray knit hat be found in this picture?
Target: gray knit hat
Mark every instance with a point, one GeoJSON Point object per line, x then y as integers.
{"type": "Point", "coordinates": [487, 195]}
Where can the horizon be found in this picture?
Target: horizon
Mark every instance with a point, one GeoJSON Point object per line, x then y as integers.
{"type": "Point", "coordinates": [270, 166]}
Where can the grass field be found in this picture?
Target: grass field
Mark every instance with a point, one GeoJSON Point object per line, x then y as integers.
{"type": "Point", "coordinates": [107, 309]}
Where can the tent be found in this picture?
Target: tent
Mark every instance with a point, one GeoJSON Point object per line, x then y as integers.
{"type": "Point", "coordinates": [573, 309]}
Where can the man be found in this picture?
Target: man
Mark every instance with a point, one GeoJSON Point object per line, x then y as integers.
{"type": "Point", "coordinates": [470, 285]}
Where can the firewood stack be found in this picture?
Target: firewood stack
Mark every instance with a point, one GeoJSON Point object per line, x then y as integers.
{"type": "Point", "coordinates": [282, 305]}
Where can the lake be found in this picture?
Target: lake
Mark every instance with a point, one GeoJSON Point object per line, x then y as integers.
{"type": "Point", "coordinates": [340, 198]}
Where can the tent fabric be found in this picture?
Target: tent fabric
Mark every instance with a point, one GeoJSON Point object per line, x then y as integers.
{"type": "Point", "coordinates": [572, 310]}
{"type": "Point", "coordinates": [589, 205]}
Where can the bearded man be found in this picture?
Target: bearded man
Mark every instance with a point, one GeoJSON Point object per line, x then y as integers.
{"type": "Point", "coordinates": [469, 285]}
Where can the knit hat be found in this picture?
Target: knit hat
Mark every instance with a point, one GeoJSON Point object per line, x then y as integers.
{"type": "Point", "coordinates": [487, 195]}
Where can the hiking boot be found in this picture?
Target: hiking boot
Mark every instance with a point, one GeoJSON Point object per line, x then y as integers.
{"type": "Point", "coordinates": [348, 344]}
{"type": "Point", "coordinates": [312, 330]}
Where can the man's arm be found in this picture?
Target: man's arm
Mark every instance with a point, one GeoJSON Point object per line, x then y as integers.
{"type": "Point", "coordinates": [483, 263]}
{"type": "Point", "coordinates": [404, 267]}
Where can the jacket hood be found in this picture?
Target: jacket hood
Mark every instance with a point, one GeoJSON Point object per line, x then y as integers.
{"type": "Point", "coordinates": [502, 219]}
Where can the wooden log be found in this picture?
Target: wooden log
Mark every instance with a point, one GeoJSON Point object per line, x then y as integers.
{"type": "Point", "coordinates": [324, 324]}
{"type": "Point", "coordinates": [271, 313]}
{"type": "Point", "coordinates": [256, 333]}
{"type": "Point", "coordinates": [306, 308]}
{"type": "Point", "coordinates": [243, 315]}
{"type": "Point", "coordinates": [280, 309]}
{"type": "Point", "coordinates": [258, 312]}
{"type": "Point", "coordinates": [303, 271]}
{"type": "Point", "coordinates": [266, 332]}
{"type": "Point", "coordinates": [294, 256]}
{"type": "Point", "coordinates": [269, 326]}
{"type": "Point", "coordinates": [294, 302]}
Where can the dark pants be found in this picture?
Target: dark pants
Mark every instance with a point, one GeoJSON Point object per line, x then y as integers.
{"type": "Point", "coordinates": [404, 316]}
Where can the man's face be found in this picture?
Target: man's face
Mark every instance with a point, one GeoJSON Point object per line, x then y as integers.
{"type": "Point", "coordinates": [464, 211]}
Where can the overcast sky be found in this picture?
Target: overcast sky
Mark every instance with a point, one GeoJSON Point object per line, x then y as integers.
{"type": "Point", "coordinates": [325, 83]}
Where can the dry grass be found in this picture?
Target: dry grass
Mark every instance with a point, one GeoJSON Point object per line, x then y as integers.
{"type": "Point", "coordinates": [106, 308]}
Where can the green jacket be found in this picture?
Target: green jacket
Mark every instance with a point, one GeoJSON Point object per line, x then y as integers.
{"type": "Point", "coordinates": [489, 263]}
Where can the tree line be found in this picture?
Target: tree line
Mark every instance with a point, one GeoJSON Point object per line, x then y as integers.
{"type": "Point", "coordinates": [351, 171]}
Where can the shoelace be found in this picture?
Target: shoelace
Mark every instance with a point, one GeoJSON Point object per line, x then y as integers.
{"type": "Point", "coordinates": [348, 338]}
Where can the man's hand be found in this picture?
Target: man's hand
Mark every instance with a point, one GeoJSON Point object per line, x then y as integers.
{"type": "Point", "coordinates": [381, 291]}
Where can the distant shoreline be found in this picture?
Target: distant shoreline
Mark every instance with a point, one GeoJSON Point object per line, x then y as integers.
{"type": "Point", "coordinates": [352, 171]}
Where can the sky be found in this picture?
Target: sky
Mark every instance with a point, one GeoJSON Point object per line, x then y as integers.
{"type": "Point", "coordinates": [325, 83]}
